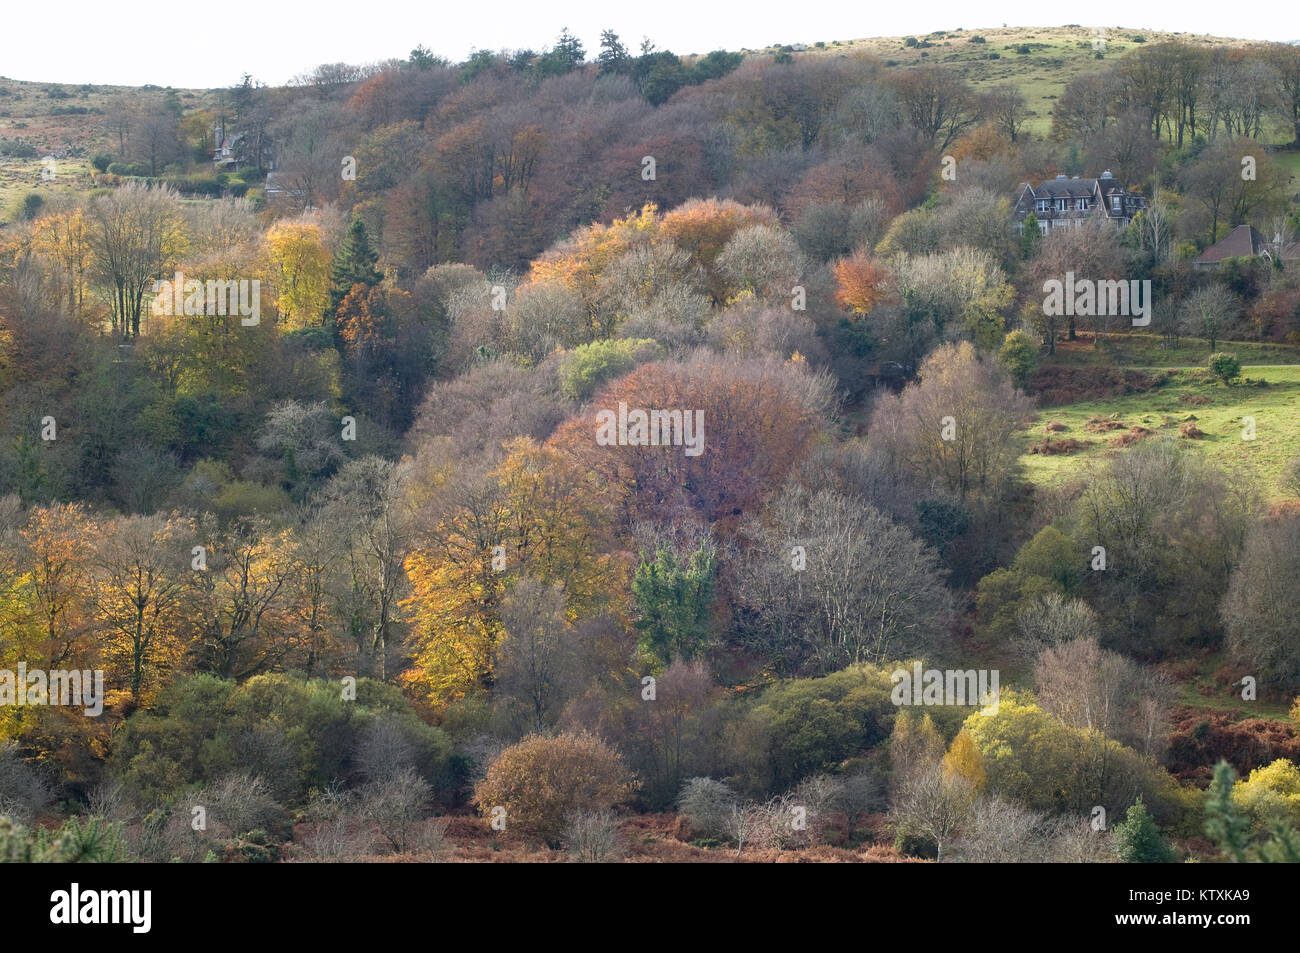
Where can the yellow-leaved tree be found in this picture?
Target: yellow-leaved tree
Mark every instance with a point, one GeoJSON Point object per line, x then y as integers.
{"type": "Point", "coordinates": [964, 760]}
{"type": "Point", "coordinates": [535, 514]}
{"type": "Point", "coordinates": [300, 270]}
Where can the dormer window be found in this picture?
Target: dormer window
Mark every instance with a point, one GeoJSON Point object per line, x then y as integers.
{"type": "Point", "coordinates": [1044, 205]}
{"type": "Point", "coordinates": [1116, 202]}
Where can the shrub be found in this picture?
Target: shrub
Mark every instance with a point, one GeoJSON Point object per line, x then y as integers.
{"type": "Point", "coordinates": [396, 805]}
{"type": "Point", "coordinates": [1225, 366]}
{"type": "Point", "coordinates": [1019, 357]}
{"type": "Point", "coordinates": [591, 837]}
{"type": "Point", "coordinates": [128, 168]}
{"type": "Point", "coordinates": [588, 366]}
{"type": "Point", "coordinates": [540, 780]}
{"type": "Point", "coordinates": [33, 202]}
{"type": "Point", "coordinates": [706, 804]}
{"type": "Point", "coordinates": [1270, 794]}
{"type": "Point", "coordinates": [94, 841]}
{"type": "Point", "coordinates": [298, 734]}
{"type": "Point", "coordinates": [1291, 477]}
{"type": "Point", "coordinates": [23, 793]}
{"type": "Point", "coordinates": [101, 162]}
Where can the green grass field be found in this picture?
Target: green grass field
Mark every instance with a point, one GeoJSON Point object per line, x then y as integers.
{"type": "Point", "coordinates": [1145, 351]}
{"type": "Point", "coordinates": [1219, 411]}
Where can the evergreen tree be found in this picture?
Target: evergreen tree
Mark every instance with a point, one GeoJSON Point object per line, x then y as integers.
{"type": "Point", "coordinates": [613, 57]}
{"type": "Point", "coordinates": [674, 598]}
{"type": "Point", "coordinates": [1225, 825]}
{"type": "Point", "coordinates": [1228, 827]}
{"type": "Point", "coordinates": [1137, 840]}
{"type": "Point", "coordinates": [1030, 237]}
{"type": "Point", "coordinates": [354, 264]}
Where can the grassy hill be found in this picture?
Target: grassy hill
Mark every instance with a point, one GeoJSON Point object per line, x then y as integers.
{"type": "Point", "coordinates": [1040, 61]}
{"type": "Point", "coordinates": [1097, 429]}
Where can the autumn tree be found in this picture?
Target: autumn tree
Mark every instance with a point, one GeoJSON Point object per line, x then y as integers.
{"type": "Point", "coordinates": [142, 567]}
{"type": "Point", "coordinates": [64, 241]}
{"type": "Point", "coordinates": [237, 604]}
{"type": "Point", "coordinates": [952, 427]}
{"type": "Point", "coordinates": [937, 102]}
{"type": "Point", "coordinates": [300, 266]}
{"type": "Point", "coordinates": [860, 282]}
{"type": "Point", "coordinates": [759, 417]}
{"type": "Point", "coordinates": [534, 514]}
{"type": "Point", "coordinates": [136, 235]}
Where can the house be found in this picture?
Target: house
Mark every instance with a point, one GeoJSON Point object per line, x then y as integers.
{"type": "Point", "coordinates": [1245, 241]}
{"type": "Point", "coordinates": [231, 150]}
{"type": "Point", "coordinates": [1065, 202]}
{"type": "Point", "coordinates": [279, 187]}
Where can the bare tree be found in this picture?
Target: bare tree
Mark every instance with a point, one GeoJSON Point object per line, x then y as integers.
{"type": "Point", "coordinates": [1263, 601]}
{"type": "Point", "coordinates": [1210, 311]}
{"type": "Point", "coordinates": [831, 581]}
{"type": "Point", "coordinates": [136, 235]}
{"type": "Point", "coordinates": [934, 803]}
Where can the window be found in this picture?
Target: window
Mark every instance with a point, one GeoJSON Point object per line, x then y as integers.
{"type": "Point", "coordinates": [1044, 205]}
{"type": "Point", "coordinates": [1115, 201]}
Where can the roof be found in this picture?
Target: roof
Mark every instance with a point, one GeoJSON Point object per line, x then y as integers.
{"type": "Point", "coordinates": [1244, 241]}
{"type": "Point", "coordinates": [1241, 242]}
{"type": "Point", "coordinates": [1067, 188]}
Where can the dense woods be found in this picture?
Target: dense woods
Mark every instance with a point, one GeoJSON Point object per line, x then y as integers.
{"type": "Point", "coordinates": [361, 579]}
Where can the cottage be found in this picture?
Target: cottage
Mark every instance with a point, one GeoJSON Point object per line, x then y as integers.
{"type": "Point", "coordinates": [1245, 241]}
{"type": "Point", "coordinates": [1065, 202]}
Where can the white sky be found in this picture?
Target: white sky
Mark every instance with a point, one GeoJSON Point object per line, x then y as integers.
{"type": "Point", "coordinates": [174, 43]}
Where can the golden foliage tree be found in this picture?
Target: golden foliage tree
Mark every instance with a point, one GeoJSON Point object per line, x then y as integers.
{"type": "Point", "coordinates": [300, 269]}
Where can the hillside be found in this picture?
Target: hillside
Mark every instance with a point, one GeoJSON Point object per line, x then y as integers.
{"type": "Point", "coordinates": [616, 455]}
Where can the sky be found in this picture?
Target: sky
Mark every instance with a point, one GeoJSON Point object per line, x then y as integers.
{"type": "Point", "coordinates": [170, 43]}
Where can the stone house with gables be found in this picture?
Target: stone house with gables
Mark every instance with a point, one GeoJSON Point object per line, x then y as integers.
{"type": "Point", "coordinates": [1066, 202]}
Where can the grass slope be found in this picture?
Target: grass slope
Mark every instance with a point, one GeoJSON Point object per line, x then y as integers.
{"type": "Point", "coordinates": [1218, 412]}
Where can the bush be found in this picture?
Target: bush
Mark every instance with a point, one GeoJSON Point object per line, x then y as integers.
{"type": "Point", "coordinates": [591, 837]}
{"type": "Point", "coordinates": [588, 366]}
{"type": "Point", "coordinates": [1019, 357]}
{"type": "Point", "coordinates": [33, 202]}
{"type": "Point", "coordinates": [706, 805]}
{"type": "Point", "coordinates": [128, 168]}
{"type": "Point", "coordinates": [540, 780]}
{"type": "Point", "coordinates": [396, 805]}
{"type": "Point", "coordinates": [101, 162]}
{"type": "Point", "coordinates": [23, 794]}
{"type": "Point", "coordinates": [93, 841]}
{"type": "Point", "coordinates": [1291, 477]}
{"type": "Point", "coordinates": [1224, 366]}
{"type": "Point", "coordinates": [1270, 794]}
{"type": "Point", "coordinates": [298, 734]}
